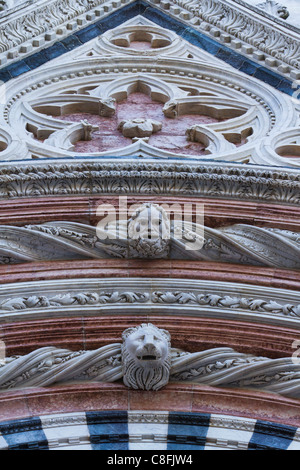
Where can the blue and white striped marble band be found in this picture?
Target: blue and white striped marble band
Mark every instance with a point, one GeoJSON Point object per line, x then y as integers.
{"type": "Point", "coordinates": [145, 430]}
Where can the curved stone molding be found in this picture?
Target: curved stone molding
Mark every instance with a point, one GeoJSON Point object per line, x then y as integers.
{"type": "Point", "coordinates": [130, 39]}
{"type": "Point", "coordinates": [209, 180]}
{"type": "Point", "coordinates": [146, 362]}
{"type": "Point", "coordinates": [42, 366]}
{"type": "Point", "coordinates": [193, 298]}
{"type": "Point", "coordinates": [146, 430]}
{"type": "Point", "coordinates": [83, 332]}
{"type": "Point", "coordinates": [10, 145]}
{"type": "Point", "coordinates": [217, 212]}
{"type": "Point", "coordinates": [282, 146]}
{"type": "Point", "coordinates": [221, 367]}
{"type": "Point", "coordinates": [180, 397]}
{"type": "Point", "coordinates": [239, 244]}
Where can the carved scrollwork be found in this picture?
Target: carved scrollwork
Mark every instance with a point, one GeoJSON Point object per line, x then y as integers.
{"type": "Point", "coordinates": [146, 361]}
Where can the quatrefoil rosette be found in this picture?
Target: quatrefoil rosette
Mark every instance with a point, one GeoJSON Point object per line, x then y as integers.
{"type": "Point", "coordinates": [145, 39]}
{"type": "Point", "coordinates": [207, 111]}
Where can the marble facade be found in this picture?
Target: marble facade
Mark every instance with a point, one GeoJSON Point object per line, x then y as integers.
{"type": "Point", "coordinates": [168, 103]}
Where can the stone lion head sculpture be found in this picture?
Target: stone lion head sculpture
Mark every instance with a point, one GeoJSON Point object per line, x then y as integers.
{"type": "Point", "coordinates": [146, 357]}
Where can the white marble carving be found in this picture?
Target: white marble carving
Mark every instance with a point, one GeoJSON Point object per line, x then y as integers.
{"type": "Point", "coordinates": [196, 298]}
{"type": "Point", "coordinates": [146, 357]}
{"type": "Point", "coordinates": [146, 362]}
{"type": "Point", "coordinates": [274, 8]}
{"type": "Point", "coordinates": [91, 80]}
{"type": "Point", "coordinates": [206, 180]}
{"type": "Point", "coordinates": [150, 234]}
{"type": "Point", "coordinates": [43, 20]}
{"type": "Point", "coordinates": [139, 128]}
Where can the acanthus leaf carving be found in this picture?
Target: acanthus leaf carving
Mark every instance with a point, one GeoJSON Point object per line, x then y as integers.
{"type": "Point", "coordinates": [239, 243]}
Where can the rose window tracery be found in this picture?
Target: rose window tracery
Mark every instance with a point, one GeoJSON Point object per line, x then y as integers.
{"type": "Point", "coordinates": [171, 134]}
{"type": "Point", "coordinates": [140, 39]}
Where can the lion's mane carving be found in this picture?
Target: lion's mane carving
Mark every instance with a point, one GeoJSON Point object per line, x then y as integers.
{"type": "Point", "coordinates": [146, 356]}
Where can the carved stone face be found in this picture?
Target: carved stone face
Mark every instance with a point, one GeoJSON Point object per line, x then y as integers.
{"type": "Point", "coordinates": [147, 345]}
{"type": "Point", "coordinates": [146, 357]}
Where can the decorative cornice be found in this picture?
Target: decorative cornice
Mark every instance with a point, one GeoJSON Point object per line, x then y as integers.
{"type": "Point", "coordinates": [248, 32]}
{"type": "Point", "coordinates": [36, 26]}
{"type": "Point", "coordinates": [215, 300]}
{"type": "Point", "coordinates": [146, 361]}
{"type": "Point", "coordinates": [166, 298]}
{"type": "Point", "coordinates": [265, 37]}
{"type": "Point", "coordinates": [80, 298]}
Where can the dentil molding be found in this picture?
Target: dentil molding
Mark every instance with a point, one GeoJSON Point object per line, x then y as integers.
{"type": "Point", "coordinates": [28, 26]}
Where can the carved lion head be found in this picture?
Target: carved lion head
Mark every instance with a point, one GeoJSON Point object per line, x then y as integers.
{"type": "Point", "coordinates": [149, 232]}
{"type": "Point", "coordinates": [146, 357]}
